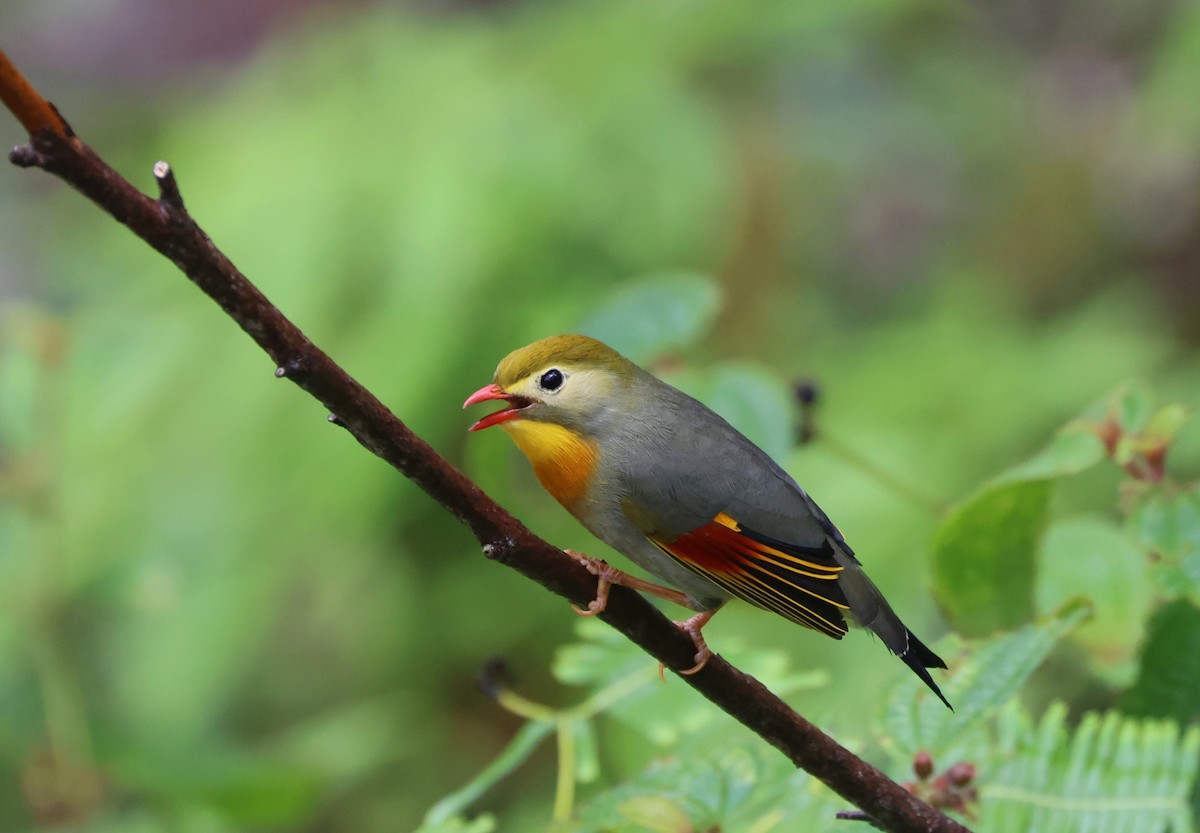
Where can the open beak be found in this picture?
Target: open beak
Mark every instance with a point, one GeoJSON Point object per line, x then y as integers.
{"type": "Point", "coordinates": [513, 405]}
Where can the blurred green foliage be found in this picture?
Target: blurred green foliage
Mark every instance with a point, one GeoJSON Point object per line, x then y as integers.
{"type": "Point", "coordinates": [965, 223]}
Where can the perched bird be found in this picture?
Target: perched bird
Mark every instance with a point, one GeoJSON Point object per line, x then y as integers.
{"type": "Point", "coordinates": [667, 482]}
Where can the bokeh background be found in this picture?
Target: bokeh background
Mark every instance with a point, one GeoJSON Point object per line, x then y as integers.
{"type": "Point", "coordinates": [966, 222]}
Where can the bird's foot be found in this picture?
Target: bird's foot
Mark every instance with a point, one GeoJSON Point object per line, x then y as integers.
{"type": "Point", "coordinates": [692, 628]}
{"type": "Point", "coordinates": [607, 576]}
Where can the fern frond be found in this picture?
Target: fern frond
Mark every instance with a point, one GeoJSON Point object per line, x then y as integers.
{"type": "Point", "coordinates": [1113, 774]}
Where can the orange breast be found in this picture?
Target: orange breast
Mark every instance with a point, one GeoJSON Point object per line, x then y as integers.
{"type": "Point", "coordinates": [562, 460]}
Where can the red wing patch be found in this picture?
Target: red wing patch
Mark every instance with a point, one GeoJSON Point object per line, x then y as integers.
{"type": "Point", "coordinates": [799, 583]}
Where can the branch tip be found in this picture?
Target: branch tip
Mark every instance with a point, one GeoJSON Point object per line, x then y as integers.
{"type": "Point", "coordinates": [24, 156]}
{"type": "Point", "coordinates": [293, 367]}
{"type": "Point", "coordinates": [499, 548]}
{"type": "Point", "coordinates": [856, 815]}
{"type": "Point", "coordinates": [494, 677]}
{"type": "Point", "coordinates": [168, 188]}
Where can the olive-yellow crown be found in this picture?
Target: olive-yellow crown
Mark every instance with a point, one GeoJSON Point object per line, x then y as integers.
{"type": "Point", "coordinates": [569, 350]}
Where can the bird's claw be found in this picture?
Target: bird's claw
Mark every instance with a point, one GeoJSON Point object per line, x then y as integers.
{"type": "Point", "coordinates": [597, 604]}
{"type": "Point", "coordinates": [692, 628]}
{"type": "Point", "coordinates": [604, 575]}
{"type": "Point", "coordinates": [702, 657]}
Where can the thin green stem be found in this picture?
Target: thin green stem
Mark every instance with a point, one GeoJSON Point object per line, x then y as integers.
{"type": "Point", "coordinates": [564, 787]}
{"type": "Point", "coordinates": [509, 700]}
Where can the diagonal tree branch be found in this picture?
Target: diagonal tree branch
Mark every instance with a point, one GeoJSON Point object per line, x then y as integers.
{"type": "Point", "coordinates": [165, 224]}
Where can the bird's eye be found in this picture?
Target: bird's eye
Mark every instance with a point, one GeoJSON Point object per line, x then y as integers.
{"type": "Point", "coordinates": [552, 379]}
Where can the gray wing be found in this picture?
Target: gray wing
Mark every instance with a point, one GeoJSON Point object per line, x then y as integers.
{"type": "Point", "coordinates": [709, 467]}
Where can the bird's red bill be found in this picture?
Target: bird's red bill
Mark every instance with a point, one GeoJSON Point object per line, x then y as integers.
{"type": "Point", "coordinates": [511, 409]}
{"type": "Point", "coordinates": [799, 583]}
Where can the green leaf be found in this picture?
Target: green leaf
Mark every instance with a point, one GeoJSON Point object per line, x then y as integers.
{"type": "Point", "coordinates": [1113, 773]}
{"type": "Point", "coordinates": [1165, 423]}
{"type": "Point", "coordinates": [985, 552]}
{"type": "Point", "coordinates": [991, 675]}
{"type": "Point", "coordinates": [656, 814]}
{"type": "Point", "coordinates": [985, 555]}
{"type": "Point", "coordinates": [599, 657]}
{"type": "Point", "coordinates": [655, 315]}
{"type": "Point", "coordinates": [1168, 525]}
{"type": "Point", "coordinates": [731, 788]}
{"type": "Point", "coordinates": [1168, 679]}
{"type": "Point", "coordinates": [1129, 407]}
{"type": "Point", "coordinates": [1132, 404]}
{"type": "Point", "coordinates": [1091, 556]}
{"type": "Point", "coordinates": [624, 683]}
{"type": "Point", "coordinates": [1073, 449]}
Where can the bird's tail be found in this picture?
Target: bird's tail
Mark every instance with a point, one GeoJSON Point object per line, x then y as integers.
{"type": "Point", "coordinates": [918, 657]}
{"type": "Point", "coordinates": [874, 613]}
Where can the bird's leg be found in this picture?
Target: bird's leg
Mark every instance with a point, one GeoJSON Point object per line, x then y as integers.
{"type": "Point", "coordinates": [607, 575]}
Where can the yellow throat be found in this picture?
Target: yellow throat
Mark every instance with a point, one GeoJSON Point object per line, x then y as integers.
{"type": "Point", "coordinates": [562, 460]}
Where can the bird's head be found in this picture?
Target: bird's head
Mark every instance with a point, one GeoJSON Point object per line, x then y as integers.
{"type": "Point", "coordinates": [570, 380]}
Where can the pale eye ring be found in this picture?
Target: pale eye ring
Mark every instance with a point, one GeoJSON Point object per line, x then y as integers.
{"type": "Point", "coordinates": [551, 380]}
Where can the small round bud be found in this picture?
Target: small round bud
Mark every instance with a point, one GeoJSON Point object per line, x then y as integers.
{"type": "Point", "coordinates": [923, 765]}
{"type": "Point", "coordinates": [806, 392]}
{"type": "Point", "coordinates": [961, 774]}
